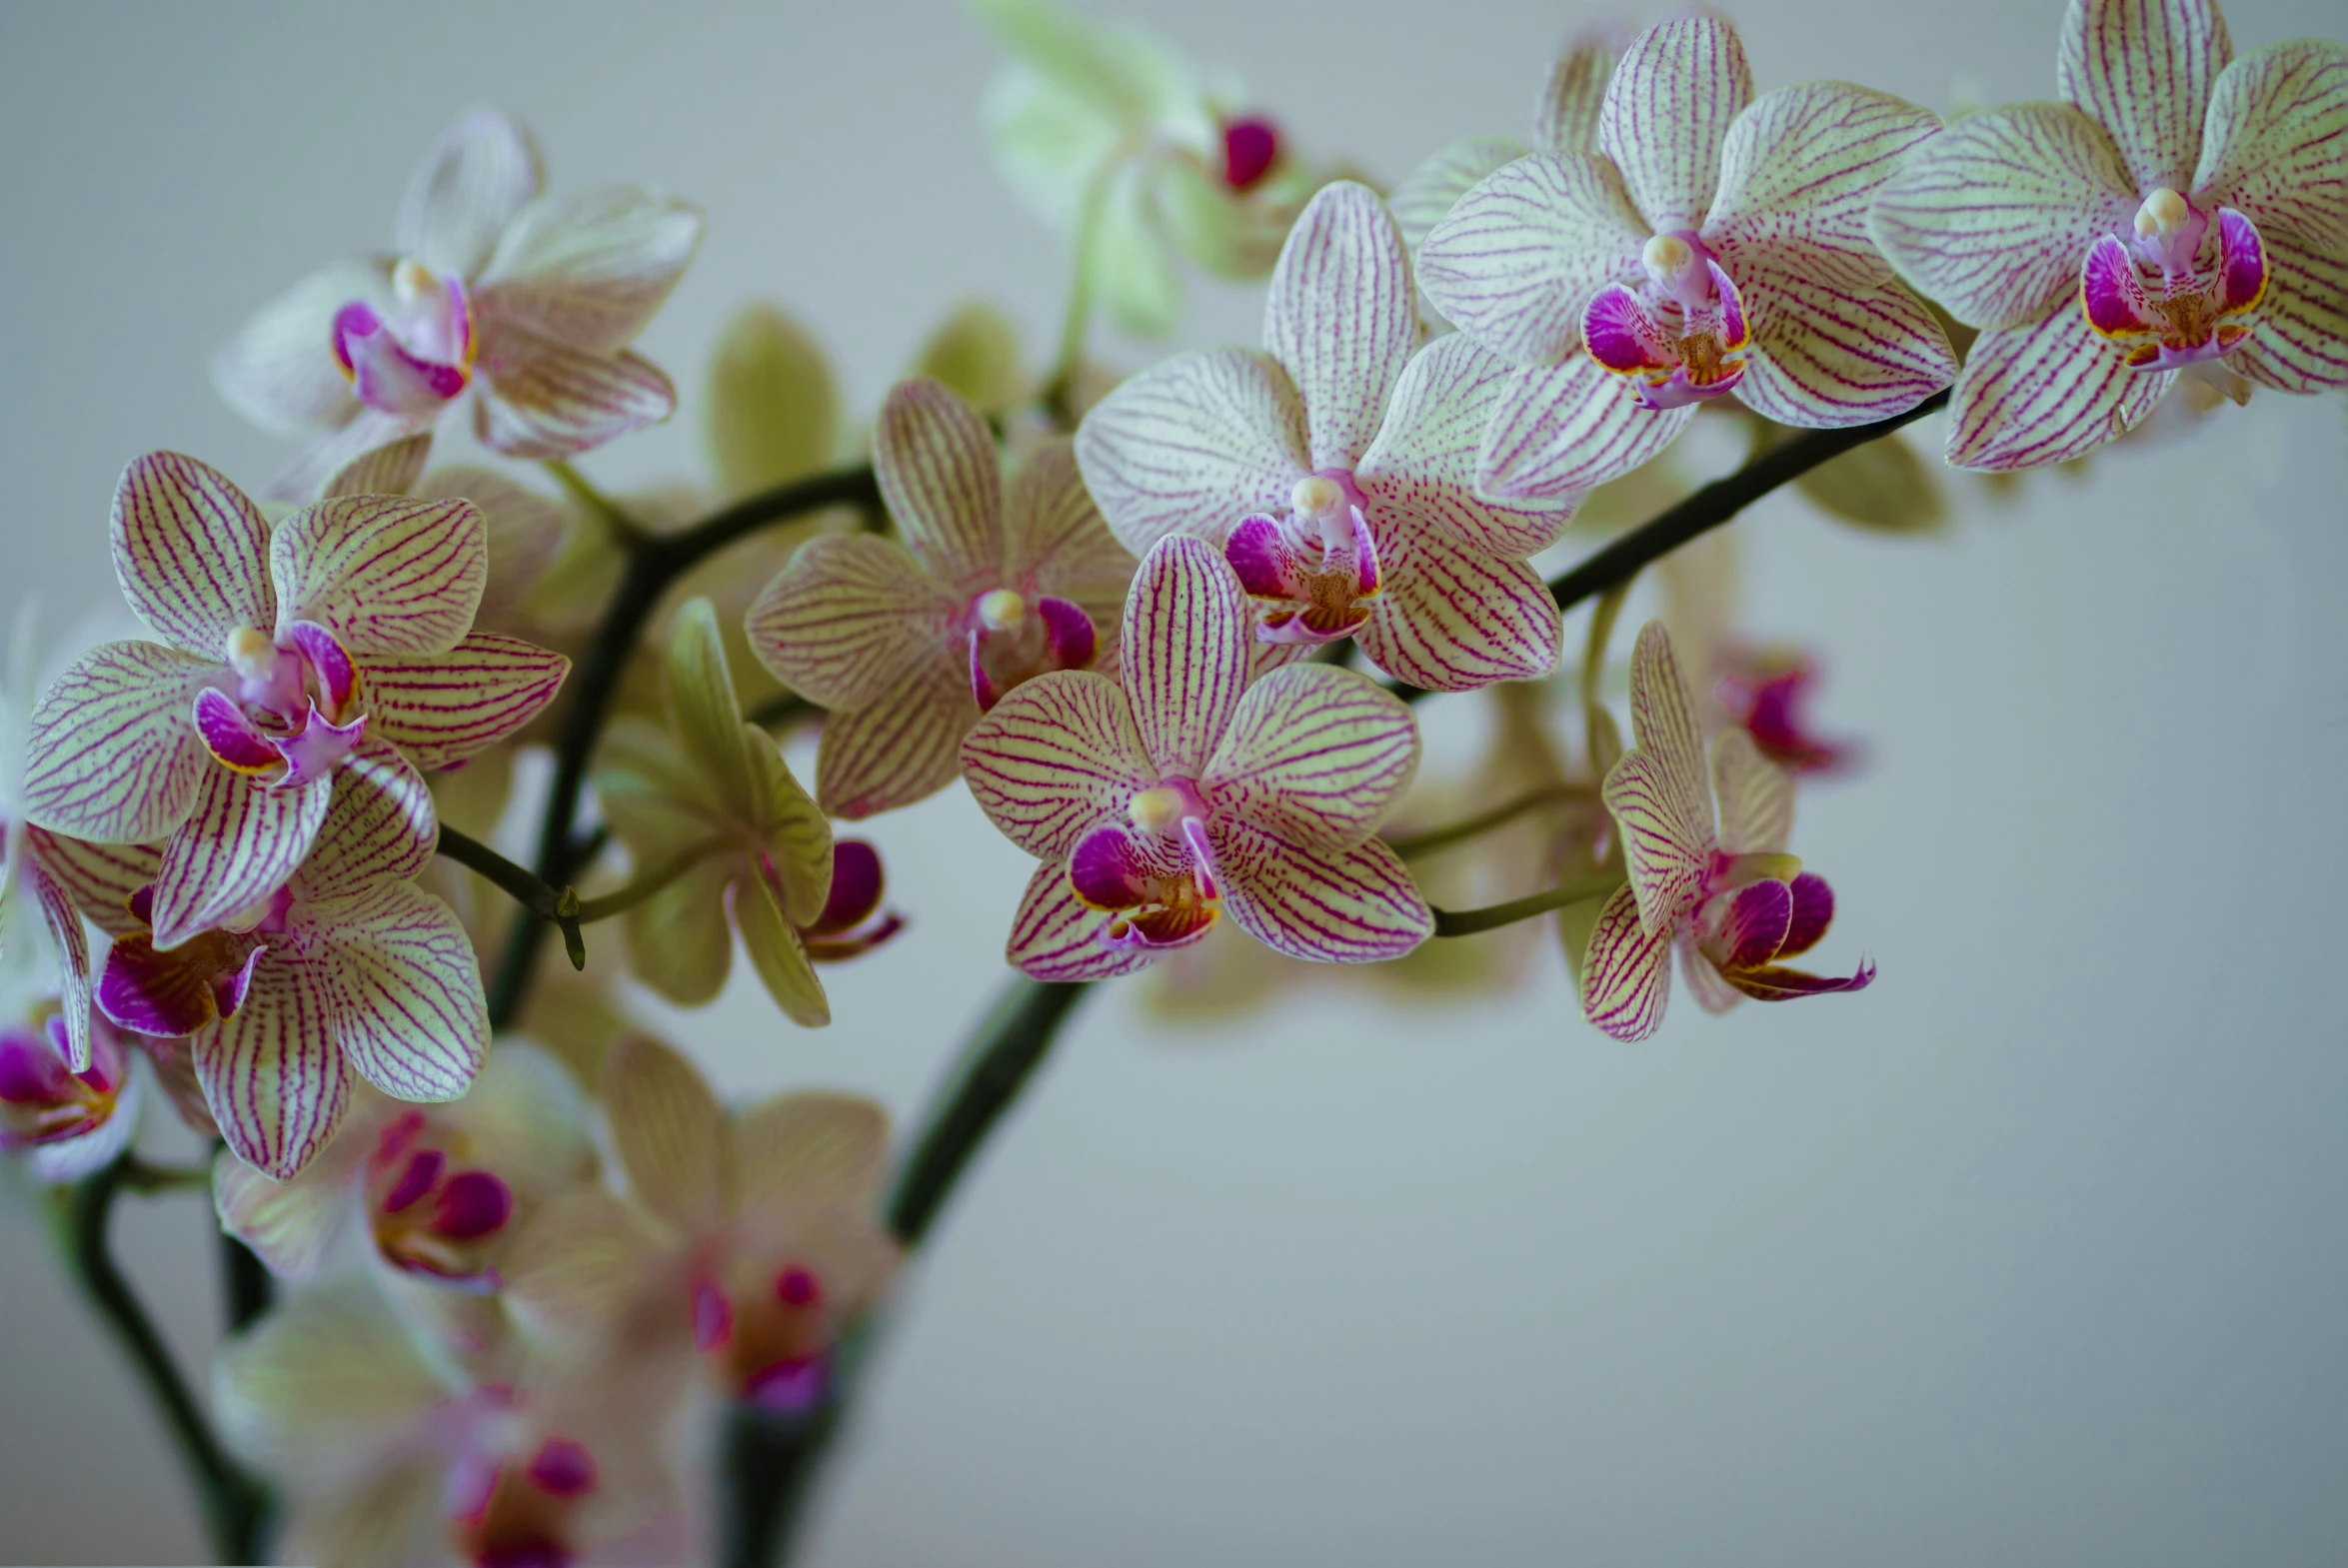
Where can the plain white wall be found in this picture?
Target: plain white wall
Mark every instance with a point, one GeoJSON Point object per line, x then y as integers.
{"type": "Point", "coordinates": [2029, 1254]}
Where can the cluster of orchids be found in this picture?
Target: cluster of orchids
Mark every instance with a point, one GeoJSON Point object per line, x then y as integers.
{"type": "Point", "coordinates": [1171, 630]}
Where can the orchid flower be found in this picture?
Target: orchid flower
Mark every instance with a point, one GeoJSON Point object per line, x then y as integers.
{"type": "Point", "coordinates": [1712, 244]}
{"type": "Point", "coordinates": [908, 643]}
{"type": "Point", "coordinates": [711, 790]}
{"type": "Point", "coordinates": [1731, 899]}
{"type": "Point", "coordinates": [528, 301]}
{"type": "Point", "coordinates": [1112, 139]}
{"type": "Point", "coordinates": [349, 967]}
{"type": "Point", "coordinates": [2178, 211]}
{"type": "Point", "coordinates": [68, 1122]}
{"type": "Point", "coordinates": [1767, 690]}
{"type": "Point", "coordinates": [1336, 470]}
{"type": "Point", "coordinates": [1156, 801]}
{"type": "Point", "coordinates": [332, 645]}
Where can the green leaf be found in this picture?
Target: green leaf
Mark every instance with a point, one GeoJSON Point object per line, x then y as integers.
{"type": "Point", "coordinates": [1882, 485]}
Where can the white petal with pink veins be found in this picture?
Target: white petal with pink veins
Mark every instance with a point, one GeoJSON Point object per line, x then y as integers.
{"type": "Point", "coordinates": [2276, 142]}
{"type": "Point", "coordinates": [589, 271]}
{"type": "Point", "coordinates": [1314, 755]}
{"type": "Point", "coordinates": [273, 1075]}
{"type": "Point", "coordinates": [1424, 459]}
{"type": "Point", "coordinates": [1452, 619]}
{"type": "Point", "coordinates": [2046, 392]}
{"type": "Point", "coordinates": [1626, 975]}
{"type": "Point", "coordinates": [1799, 175]}
{"type": "Point", "coordinates": [482, 172]}
{"type": "Point", "coordinates": [243, 842]}
{"type": "Point", "coordinates": [2299, 338]}
{"type": "Point", "coordinates": [1055, 759]}
{"type": "Point", "coordinates": [279, 369]}
{"type": "Point", "coordinates": [903, 747]}
{"type": "Point", "coordinates": [1355, 905]}
{"type": "Point", "coordinates": [380, 826]}
{"type": "Point", "coordinates": [942, 480]}
{"type": "Point", "coordinates": [192, 553]}
{"type": "Point", "coordinates": [539, 399]}
{"type": "Point", "coordinates": [410, 1012]}
{"type": "Point", "coordinates": [1192, 445]}
{"type": "Point", "coordinates": [1054, 935]}
{"type": "Point", "coordinates": [848, 618]}
{"type": "Point", "coordinates": [114, 757]}
{"type": "Point", "coordinates": [383, 573]}
{"type": "Point", "coordinates": [441, 708]}
{"type": "Point", "coordinates": [1667, 111]}
{"type": "Point", "coordinates": [1522, 253]}
{"type": "Point", "coordinates": [2144, 68]}
{"type": "Point", "coordinates": [1559, 431]}
{"type": "Point", "coordinates": [1825, 354]}
{"type": "Point", "coordinates": [1340, 317]}
{"type": "Point", "coordinates": [1187, 631]}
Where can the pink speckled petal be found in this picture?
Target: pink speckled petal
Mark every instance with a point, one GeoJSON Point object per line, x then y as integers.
{"type": "Point", "coordinates": [1627, 975]}
{"type": "Point", "coordinates": [442, 707]}
{"type": "Point", "coordinates": [410, 1012]}
{"type": "Point", "coordinates": [1424, 459]}
{"type": "Point", "coordinates": [2272, 145]}
{"type": "Point", "coordinates": [1657, 792]}
{"type": "Point", "coordinates": [848, 618]}
{"type": "Point", "coordinates": [1755, 796]}
{"type": "Point", "coordinates": [1054, 935]}
{"type": "Point", "coordinates": [942, 479]}
{"type": "Point", "coordinates": [482, 171]}
{"type": "Point", "coordinates": [1521, 253]}
{"type": "Point", "coordinates": [2144, 68]}
{"type": "Point", "coordinates": [1187, 631]}
{"type": "Point", "coordinates": [539, 398]}
{"type": "Point", "coordinates": [1057, 755]}
{"type": "Point", "coordinates": [2298, 339]}
{"type": "Point", "coordinates": [113, 755]}
{"type": "Point", "coordinates": [382, 574]}
{"type": "Point", "coordinates": [1192, 445]}
{"type": "Point", "coordinates": [240, 844]}
{"type": "Point", "coordinates": [276, 1081]}
{"type": "Point", "coordinates": [1667, 112]}
{"type": "Point", "coordinates": [1451, 619]}
{"type": "Point", "coordinates": [380, 826]}
{"type": "Point", "coordinates": [1558, 432]}
{"type": "Point", "coordinates": [1314, 755]}
{"type": "Point", "coordinates": [2046, 392]}
{"type": "Point", "coordinates": [903, 747]}
{"type": "Point", "coordinates": [1798, 174]}
{"type": "Point", "coordinates": [1341, 317]}
{"type": "Point", "coordinates": [191, 552]}
{"type": "Point", "coordinates": [1355, 906]}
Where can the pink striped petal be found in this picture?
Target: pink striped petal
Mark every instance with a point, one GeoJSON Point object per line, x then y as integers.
{"type": "Point", "coordinates": [1186, 635]}
{"type": "Point", "coordinates": [99, 878]}
{"type": "Point", "coordinates": [1705, 981]}
{"type": "Point", "coordinates": [291, 1225]}
{"type": "Point", "coordinates": [1826, 355]}
{"type": "Point", "coordinates": [2299, 337]}
{"type": "Point", "coordinates": [1355, 905]}
{"type": "Point", "coordinates": [1798, 174]}
{"type": "Point", "coordinates": [2272, 146]}
{"type": "Point", "coordinates": [1991, 217]}
{"type": "Point", "coordinates": [539, 398]}
{"type": "Point", "coordinates": [1813, 912]}
{"type": "Point", "coordinates": [1055, 758]}
{"type": "Point", "coordinates": [1522, 253]}
{"type": "Point", "coordinates": [1755, 796]}
{"type": "Point", "coordinates": [1667, 111]}
{"type": "Point", "coordinates": [235, 742]}
{"type": "Point", "coordinates": [1054, 935]}
{"type": "Point", "coordinates": [1627, 975]}
{"type": "Point", "coordinates": [1054, 538]}
{"type": "Point", "coordinates": [243, 842]}
{"type": "Point", "coordinates": [523, 530]}
{"type": "Point", "coordinates": [1428, 192]}
{"type": "Point", "coordinates": [380, 826]}
{"type": "Point", "coordinates": [273, 1075]}
{"type": "Point", "coordinates": [1314, 755]}
{"type": "Point", "coordinates": [942, 480]}
{"type": "Point", "coordinates": [2046, 392]}
{"type": "Point", "coordinates": [1424, 459]}
{"type": "Point", "coordinates": [1565, 118]}
{"type": "Point", "coordinates": [191, 552]}
{"type": "Point", "coordinates": [2144, 68]}
{"type": "Point", "coordinates": [369, 431]}
{"type": "Point", "coordinates": [388, 470]}
{"type": "Point", "coordinates": [1192, 445]}
{"type": "Point", "coordinates": [112, 755]}
{"type": "Point", "coordinates": [1341, 317]}
{"type": "Point", "coordinates": [1561, 431]}
{"type": "Point", "coordinates": [848, 616]}
{"type": "Point", "coordinates": [70, 945]}
{"type": "Point", "coordinates": [482, 171]}
{"type": "Point", "coordinates": [278, 371]}
{"type": "Point", "coordinates": [895, 750]}
{"type": "Point", "coordinates": [1657, 791]}
{"type": "Point", "coordinates": [382, 574]}
{"type": "Point", "coordinates": [1779, 983]}
{"type": "Point", "coordinates": [1452, 619]}
{"type": "Point", "coordinates": [1753, 925]}
{"type": "Point", "coordinates": [587, 270]}
{"type": "Point", "coordinates": [409, 1011]}
{"type": "Point", "coordinates": [442, 707]}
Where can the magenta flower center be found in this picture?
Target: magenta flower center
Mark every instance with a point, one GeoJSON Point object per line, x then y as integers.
{"type": "Point", "coordinates": [2149, 294]}
{"type": "Point", "coordinates": [43, 1102]}
{"type": "Point", "coordinates": [1154, 873]}
{"type": "Point", "coordinates": [428, 1215]}
{"type": "Point", "coordinates": [1013, 639]}
{"type": "Point", "coordinates": [1679, 336]}
{"type": "Point", "coordinates": [1312, 571]}
{"type": "Point", "coordinates": [1251, 146]}
{"type": "Point", "coordinates": [415, 355]}
{"type": "Point", "coordinates": [286, 713]}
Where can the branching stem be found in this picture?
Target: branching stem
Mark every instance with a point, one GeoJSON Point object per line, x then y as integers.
{"type": "Point", "coordinates": [1413, 845]}
{"type": "Point", "coordinates": [1467, 922]}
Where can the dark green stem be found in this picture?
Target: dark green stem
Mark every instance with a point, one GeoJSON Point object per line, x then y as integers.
{"type": "Point", "coordinates": [1413, 845]}
{"type": "Point", "coordinates": [1467, 922]}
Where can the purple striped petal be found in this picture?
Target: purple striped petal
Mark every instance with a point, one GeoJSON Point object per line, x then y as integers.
{"type": "Point", "coordinates": [1777, 984]}
{"type": "Point", "coordinates": [279, 372]}
{"type": "Point", "coordinates": [587, 270]}
{"type": "Point", "coordinates": [380, 826]}
{"type": "Point", "coordinates": [1755, 796]}
{"type": "Point", "coordinates": [112, 755]}
{"type": "Point", "coordinates": [1753, 925]}
{"type": "Point", "coordinates": [1315, 756]}
{"type": "Point", "coordinates": [68, 943]}
{"type": "Point", "coordinates": [1355, 905]}
{"type": "Point", "coordinates": [1561, 431]}
{"type": "Point", "coordinates": [171, 993]}
{"type": "Point", "coordinates": [482, 171]}
{"type": "Point", "coordinates": [235, 742]}
{"type": "Point", "coordinates": [524, 529]}
{"type": "Point", "coordinates": [2299, 338]}
{"type": "Point", "coordinates": [338, 678]}
{"type": "Point", "coordinates": [1565, 118]}
{"type": "Point", "coordinates": [1798, 174]}
{"type": "Point", "coordinates": [273, 1075]}
{"type": "Point", "coordinates": [382, 574]}
{"type": "Point", "coordinates": [2144, 68]}
{"type": "Point", "coordinates": [848, 616]}
{"type": "Point", "coordinates": [1626, 975]}
{"type": "Point", "coordinates": [2046, 392]}
{"type": "Point", "coordinates": [943, 481]}
{"type": "Point", "coordinates": [1187, 636]}
{"type": "Point", "coordinates": [904, 747]}
{"type": "Point", "coordinates": [1813, 912]}
{"type": "Point", "coordinates": [1192, 445]}
{"type": "Point", "coordinates": [1657, 791]}
{"type": "Point", "coordinates": [242, 842]}
{"type": "Point", "coordinates": [1057, 755]}
{"type": "Point", "coordinates": [539, 398]}
{"type": "Point", "coordinates": [1667, 111]}
{"type": "Point", "coordinates": [1341, 317]}
{"type": "Point", "coordinates": [191, 552]}
{"type": "Point", "coordinates": [1452, 619]}
{"type": "Point", "coordinates": [1826, 356]}
{"type": "Point", "coordinates": [442, 707]}
{"type": "Point", "coordinates": [1424, 458]}
{"type": "Point", "coordinates": [2278, 120]}
{"type": "Point", "coordinates": [409, 1011]}
{"type": "Point", "coordinates": [1705, 981]}
{"type": "Point", "coordinates": [1428, 192]}
{"type": "Point", "coordinates": [1991, 217]}
{"type": "Point", "coordinates": [99, 878]}
{"type": "Point", "coordinates": [1054, 538]}
{"type": "Point", "coordinates": [388, 470]}
{"type": "Point", "coordinates": [1522, 253]}
{"type": "Point", "coordinates": [1056, 935]}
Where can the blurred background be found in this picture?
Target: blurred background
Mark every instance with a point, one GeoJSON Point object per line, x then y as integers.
{"type": "Point", "coordinates": [2029, 1254]}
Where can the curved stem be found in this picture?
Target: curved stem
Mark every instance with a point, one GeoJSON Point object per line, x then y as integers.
{"type": "Point", "coordinates": [644, 886]}
{"type": "Point", "coordinates": [583, 491]}
{"type": "Point", "coordinates": [1467, 922]}
{"type": "Point", "coordinates": [1415, 844]}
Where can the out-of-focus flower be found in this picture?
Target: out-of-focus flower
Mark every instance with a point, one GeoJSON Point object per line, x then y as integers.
{"type": "Point", "coordinates": [1114, 140]}
{"type": "Point", "coordinates": [1336, 469]}
{"type": "Point", "coordinates": [1731, 899]}
{"type": "Point", "coordinates": [1766, 690]}
{"type": "Point", "coordinates": [908, 643]}
{"type": "Point", "coordinates": [322, 650]}
{"type": "Point", "coordinates": [713, 792]}
{"type": "Point", "coordinates": [530, 303]}
{"type": "Point", "coordinates": [974, 354]}
{"type": "Point", "coordinates": [68, 1122]}
{"type": "Point", "coordinates": [2175, 212]}
{"type": "Point", "coordinates": [1712, 244]}
{"type": "Point", "coordinates": [348, 968]}
{"type": "Point", "coordinates": [1160, 801]}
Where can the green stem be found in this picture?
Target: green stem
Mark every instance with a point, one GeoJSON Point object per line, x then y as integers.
{"type": "Point", "coordinates": [652, 882]}
{"type": "Point", "coordinates": [582, 490]}
{"type": "Point", "coordinates": [138, 1176]}
{"type": "Point", "coordinates": [1413, 845]}
{"type": "Point", "coordinates": [1467, 922]}
{"type": "Point", "coordinates": [1059, 394]}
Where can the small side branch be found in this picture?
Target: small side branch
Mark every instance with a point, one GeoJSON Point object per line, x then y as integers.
{"type": "Point", "coordinates": [1413, 845]}
{"type": "Point", "coordinates": [1467, 922]}
{"type": "Point", "coordinates": [557, 906]}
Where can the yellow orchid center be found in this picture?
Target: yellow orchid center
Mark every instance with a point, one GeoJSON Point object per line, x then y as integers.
{"type": "Point", "coordinates": [412, 280]}
{"type": "Point", "coordinates": [1003, 610]}
{"type": "Point", "coordinates": [1155, 810]}
{"type": "Point", "coordinates": [251, 653]}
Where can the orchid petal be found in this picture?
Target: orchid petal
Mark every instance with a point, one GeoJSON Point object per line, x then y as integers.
{"type": "Point", "coordinates": [942, 480]}
{"type": "Point", "coordinates": [275, 1079]}
{"type": "Point", "coordinates": [1565, 118]}
{"type": "Point", "coordinates": [389, 470]}
{"type": "Point", "coordinates": [383, 573]}
{"type": "Point", "coordinates": [240, 844]}
{"type": "Point", "coordinates": [778, 954]}
{"type": "Point", "coordinates": [1341, 317]}
{"type": "Point", "coordinates": [1192, 445]}
{"type": "Point", "coordinates": [811, 1153]}
{"type": "Point", "coordinates": [678, 942]}
{"type": "Point", "coordinates": [1667, 111]}
{"type": "Point", "coordinates": [670, 1134]}
{"type": "Point", "coordinates": [113, 757]}
{"type": "Point", "coordinates": [1657, 791]}
{"type": "Point", "coordinates": [1355, 906]}
{"type": "Point", "coordinates": [2298, 341]}
{"type": "Point", "coordinates": [773, 406]}
{"type": "Point", "coordinates": [705, 717]}
{"type": "Point", "coordinates": [1813, 912]}
{"type": "Point", "coordinates": [1522, 253]}
{"type": "Point", "coordinates": [1054, 538]}
{"type": "Point", "coordinates": [333, 454]}
{"type": "Point", "coordinates": [229, 733]}
{"type": "Point", "coordinates": [858, 883]}
{"type": "Point", "coordinates": [525, 1112]}
{"type": "Point", "coordinates": [1055, 758]}
{"type": "Point", "coordinates": [1424, 459]}
{"type": "Point", "coordinates": [848, 618]}
{"type": "Point", "coordinates": [575, 1270]}
{"type": "Point", "coordinates": [291, 1225]}
{"type": "Point", "coordinates": [160, 994]}
{"type": "Point", "coordinates": [1559, 431]}
{"type": "Point", "coordinates": [1124, 257]}
{"type": "Point", "coordinates": [1826, 355]}
{"type": "Point", "coordinates": [72, 947]}
{"type": "Point", "coordinates": [1755, 796]}
{"type": "Point", "coordinates": [482, 171]}
{"type": "Point", "coordinates": [2272, 146]}
{"type": "Point", "coordinates": [1626, 975]}
{"type": "Point", "coordinates": [1754, 926]}
{"type": "Point", "coordinates": [587, 270]}
{"type": "Point", "coordinates": [2145, 70]}
{"type": "Point", "coordinates": [1428, 192]}
{"type": "Point", "coordinates": [441, 708]}
{"type": "Point", "coordinates": [1186, 635]}
{"type": "Point", "coordinates": [189, 549]}
{"type": "Point", "coordinates": [1777, 984]}
{"type": "Point", "coordinates": [99, 878]}
{"type": "Point", "coordinates": [1452, 619]}
{"type": "Point", "coordinates": [2046, 392]}
{"type": "Point", "coordinates": [409, 1010]}
{"type": "Point", "coordinates": [524, 530]}
{"type": "Point", "coordinates": [1058, 936]}
{"type": "Point", "coordinates": [1705, 981]}
{"type": "Point", "coordinates": [796, 865]}
{"type": "Point", "coordinates": [1798, 174]}
{"type": "Point", "coordinates": [278, 371]}
{"type": "Point", "coordinates": [1315, 756]}
{"type": "Point", "coordinates": [899, 749]}
{"type": "Point", "coordinates": [541, 399]}
{"type": "Point", "coordinates": [380, 825]}
{"type": "Point", "coordinates": [1990, 217]}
